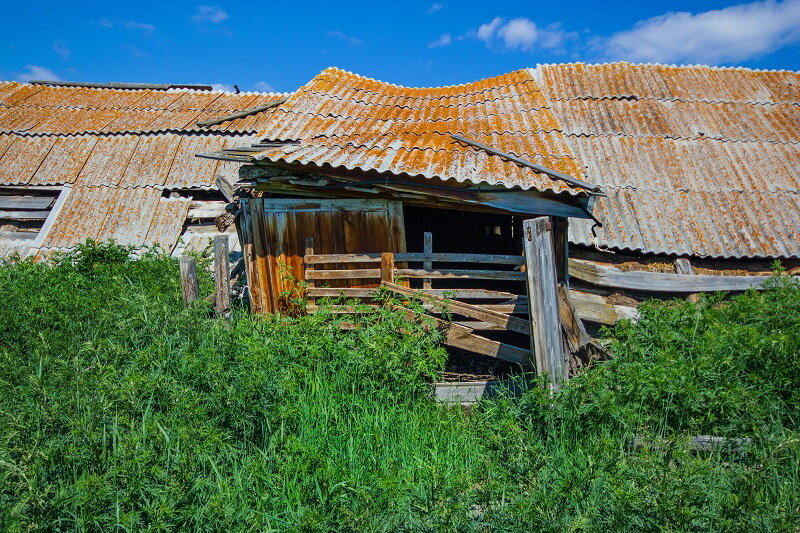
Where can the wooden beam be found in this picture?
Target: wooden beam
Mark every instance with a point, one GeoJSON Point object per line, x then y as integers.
{"type": "Point", "coordinates": [366, 273]}
{"type": "Point", "coordinates": [460, 308]}
{"type": "Point", "coordinates": [515, 260]}
{"type": "Point", "coordinates": [211, 209]}
{"type": "Point", "coordinates": [387, 267]}
{"type": "Point", "coordinates": [24, 215]}
{"type": "Point", "coordinates": [224, 187]}
{"type": "Point", "coordinates": [545, 323]}
{"type": "Point", "coordinates": [222, 279]}
{"type": "Point", "coordinates": [427, 249]}
{"type": "Point", "coordinates": [460, 274]}
{"type": "Point", "coordinates": [463, 294]}
{"type": "Point", "coordinates": [25, 202]}
{"type": "Point", "coordinates": [243, 113]}
{"type": "Point", "coordinates": [191, 290]}
{"type": "Point", "coordinates": [525, 163]}
{"type": "Point", "coordinates": [607, 276]}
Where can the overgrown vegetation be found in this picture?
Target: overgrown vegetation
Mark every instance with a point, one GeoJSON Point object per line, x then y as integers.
{"type": "Point", "coordinates": [122, 410]}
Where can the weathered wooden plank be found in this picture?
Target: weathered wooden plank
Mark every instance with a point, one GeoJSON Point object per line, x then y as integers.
{"type": "Point", "coordinates": [473, 311]}
{"type": "Point", "coordinates": [468, 392]}
{"type": "Point", "coordinates": [427, 249]}
{"type": "Point", "coordinates": [545, 323]}
{"type": "Point", "coordinates": [659, 281]}
{"type": "Point", "coordinates": [460, 274]}
{"type": "Point", "coordinates": [387, 267]}
{"type": "Point", "coordinates": [422, 257]}
{"type": "Point", "coordinates": [222, 278]}
{"type": "Point", "coordinates": [25, 202]}
{"type": "Point", "coordinates": [462, 337]}
{"type": "Point", "coordinates": [191, 290]}
{"type": "Point", "coordinates": [243, 113]}
{"type": "Point", "coordinates": [210, 209]}
{"type": "Point", "coordinates": [366, 273]}
{"type": "Point", "coordinates": [18, 235]}
{"type": "Point", "coordinates": [224, 187]}
{"type": "Point", "coordinates": [24, 215]}
{"type": "Point", "coordinates": [464, 294]}
{"type": "Point", "coordinates": [683, 266]}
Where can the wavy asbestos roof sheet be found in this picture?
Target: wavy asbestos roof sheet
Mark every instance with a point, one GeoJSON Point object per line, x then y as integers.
{"type": "Point", "coordinates": [45, 110]}
{"type": "Point", "coordinates": [164, 160]}
{"type": "Point", "coordinates": [695, 160]}
{"type": "Point", "coordinates": [344, 120]}
{"type": "Point", "coordinates": [131, 216]}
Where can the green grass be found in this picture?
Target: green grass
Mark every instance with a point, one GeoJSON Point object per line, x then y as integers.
{"type": "Point", "coordinates": [122, 410]}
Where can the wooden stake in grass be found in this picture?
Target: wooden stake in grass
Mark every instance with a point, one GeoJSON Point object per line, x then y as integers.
{"type": "Point", "coordinates": [189, 279]}
{"type": "Point", "coordinates": [222, 280]}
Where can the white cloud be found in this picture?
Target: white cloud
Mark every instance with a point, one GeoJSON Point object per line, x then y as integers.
{"type": "Point", "coordinates": [349, 39]}
{"type": "Point", "coordinates": [146, 29]}
{"type": "Point", "coordinates": [734, 33]}
{"type": "Point", "coordinates": [222, 87]}
{"type": "Point", "coordinates": [135, 51]}
{"type": "Point", "coordinates": [61, 49]}
{"type": "Point", "coordinates": [264, 87]}
{"type": "Point", "coordinates": [444, 39]}
{"type": "Point", "coordinates": [35, 72]}
{"type": "Point", "coordinates": [488, 30]}
{"type": "Point", "coordinates": [434, 8]}
{"type": "Point", "coordinates": [521, 34]}
{"type": "Point", "coordinates": [210, 14]}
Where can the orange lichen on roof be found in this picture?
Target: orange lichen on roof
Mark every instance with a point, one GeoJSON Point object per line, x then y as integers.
{"type": "Point", "coordinates": [345, 120]}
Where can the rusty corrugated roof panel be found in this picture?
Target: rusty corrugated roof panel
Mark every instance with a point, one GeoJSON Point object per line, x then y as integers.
{"type": "Point", "coordinates": [695, 160]}
{"type": "Point", "coordinates": [357, 123]}
{"type": "Point", "coordinates": [167, 222]}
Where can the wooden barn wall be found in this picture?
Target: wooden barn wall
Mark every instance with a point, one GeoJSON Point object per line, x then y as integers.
{"type": "Point", "coordinates": [273, 234]}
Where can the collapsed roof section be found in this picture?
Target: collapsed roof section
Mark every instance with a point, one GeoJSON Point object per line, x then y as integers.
{"type": "Point", "coordinates": [476, 133]}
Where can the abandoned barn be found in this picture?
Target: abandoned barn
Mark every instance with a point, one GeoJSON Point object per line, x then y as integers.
{"type": "Point", "coordinates": [649, 173]}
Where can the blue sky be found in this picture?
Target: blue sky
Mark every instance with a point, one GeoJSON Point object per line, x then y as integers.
{"type": "Point", "coordinates": [281, 45]}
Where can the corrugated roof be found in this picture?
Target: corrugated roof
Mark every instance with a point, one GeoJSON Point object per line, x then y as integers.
{"type": "Point", "coordinates": [695, 160]}
{"type": "Point", "coordinates": [39, 109]}
{"type": "Point", "coordinates": [344, 120]}
{"type": "Point", "coordinates": [163, 160]}
{"type": "Point", "coordinates": [131, 216]}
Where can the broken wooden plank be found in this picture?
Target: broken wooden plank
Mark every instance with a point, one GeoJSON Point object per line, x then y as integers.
{"type": "Point", "coordinates": [473, 311]}
{"type": "Point", "coordinates": [659, 281]}
{"type": "Point", "coordinates": [462, 337]}
{"type": "Point", "coordinates": [464, 294]}
{"type": "Point", "coordinates": [243, 113]}
{"type": "Point", "coordinates": [210, 209]}
{"type": "Point", "coordinates": [469, 392]}
{"type": "Point", "coordinates": [525, 163]}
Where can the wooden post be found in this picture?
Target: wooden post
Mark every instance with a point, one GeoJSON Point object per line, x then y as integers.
{"type": "Point", "coordinates": [546, 338]}
{"type": "Point", "coordinates": [684, 267]}
{"type": "Point", "coordinates": [222, 275]}
{"type": "Point", "coordinates": [427, 248]}
{"type": "Point", "coordinates": [306, 267]}
{"type": "Point", "coordinates": [189, 279]}
{"type": "Point", "coordinates": [387, 267]}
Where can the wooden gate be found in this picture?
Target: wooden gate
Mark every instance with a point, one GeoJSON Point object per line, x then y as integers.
{"type": "Point", "coordinates": [273, 234]}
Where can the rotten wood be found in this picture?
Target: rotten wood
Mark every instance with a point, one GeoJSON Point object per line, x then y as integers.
{"type": "Point", "coordinates": [191, 290]}
{"type": "Point", "coordinates": [222, 278]}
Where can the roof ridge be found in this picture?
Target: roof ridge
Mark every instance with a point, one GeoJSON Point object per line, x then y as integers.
{"type": "Point", "coordinates": [396, 85]}
{"type": "Point", "coordinates": [669, 65]}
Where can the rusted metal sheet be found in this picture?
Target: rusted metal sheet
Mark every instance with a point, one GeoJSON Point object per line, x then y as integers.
{"type": "Point", "coordinates": [22, 158]}
{"type": "Point", "coordinates": [274, 231]}
{"type": "Point", "coordinates": [357, 123]}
